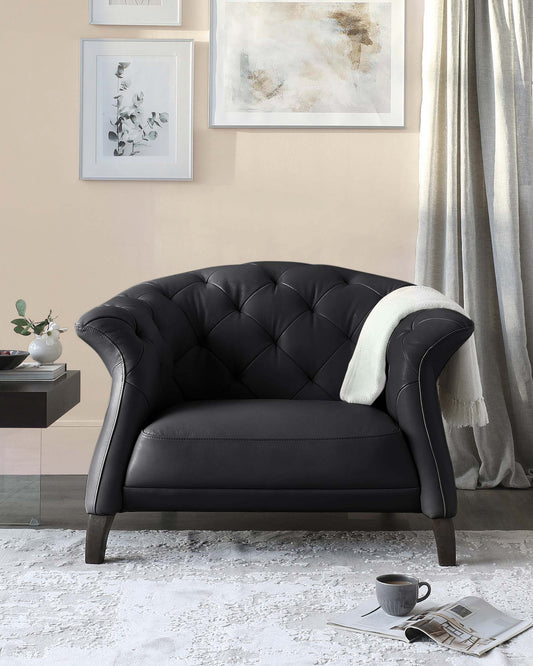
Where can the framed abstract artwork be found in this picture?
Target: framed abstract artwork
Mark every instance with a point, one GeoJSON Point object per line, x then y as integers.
{"type": "Point", "coordinates": [135, 12]}
{"type": "Point", "coordinates": [136, 109]}
{"type": "Point", "coordinates": [307, 63]}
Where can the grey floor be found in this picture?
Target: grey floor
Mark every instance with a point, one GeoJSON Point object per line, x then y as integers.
{"type": "Point", "coordinates": [495, 509]}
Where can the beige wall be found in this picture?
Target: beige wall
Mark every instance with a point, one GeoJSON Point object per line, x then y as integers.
{"type": "Point", "coordinates": [346, 197]}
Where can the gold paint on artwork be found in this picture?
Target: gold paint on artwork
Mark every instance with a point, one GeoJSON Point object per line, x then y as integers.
{"type": "Point", "coordinates": [308, 56]}
{"type": "Point", "coordinates": [263, 85]}
{"type": "Point", "coordinates": [360, 29]}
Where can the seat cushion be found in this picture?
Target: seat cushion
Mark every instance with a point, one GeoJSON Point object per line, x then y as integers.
{"type": "Point", "coordinates": [271, 444]}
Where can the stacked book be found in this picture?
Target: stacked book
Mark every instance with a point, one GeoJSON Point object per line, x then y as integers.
{"type": "Point", "coordinates": [31, 372]}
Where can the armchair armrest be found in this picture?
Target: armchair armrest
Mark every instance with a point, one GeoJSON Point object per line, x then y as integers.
{"type": "Point", "coordinates": [126, 337]}
{"type": "Point", "coordinates": [418, 350]}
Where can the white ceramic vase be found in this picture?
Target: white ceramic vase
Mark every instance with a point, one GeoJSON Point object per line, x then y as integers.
{"type": "Point", "coordinates": [44, 353]}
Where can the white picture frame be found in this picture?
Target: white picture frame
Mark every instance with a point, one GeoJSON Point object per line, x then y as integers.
{"type": "Point", "coordinates": [135, 12]}
{"type": "Point", "coordinates": [268, 67]}
{"type": "Point", "coordinates": [136, 109]}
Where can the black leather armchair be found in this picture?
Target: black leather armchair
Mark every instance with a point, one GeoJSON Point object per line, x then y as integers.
{"type": "Point", "coordinates": [225, 397]}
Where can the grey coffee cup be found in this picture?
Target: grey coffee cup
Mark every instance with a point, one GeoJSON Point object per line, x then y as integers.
{"type": "Point", "coordinates": [398, 594]}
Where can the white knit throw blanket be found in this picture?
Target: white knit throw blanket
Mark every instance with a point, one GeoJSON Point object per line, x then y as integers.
{"type": "Point", "coordinates": [460, 392]}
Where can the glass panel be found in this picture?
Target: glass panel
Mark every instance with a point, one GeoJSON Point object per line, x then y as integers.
{"type": "Point", "coordinates": [20, 476]}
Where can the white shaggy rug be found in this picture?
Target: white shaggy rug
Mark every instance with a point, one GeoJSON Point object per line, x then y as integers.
{"type": "Point", "coordinates": [239, 598]}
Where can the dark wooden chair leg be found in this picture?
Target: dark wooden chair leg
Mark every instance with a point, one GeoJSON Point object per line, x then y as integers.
{"type": "Point", "coordinates": [96, 539]}
{"type": "Point", "coordinates": [445, 539]}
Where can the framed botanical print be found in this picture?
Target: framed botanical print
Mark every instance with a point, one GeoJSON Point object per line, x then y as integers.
{"type": "Point", "coordinates": [136, 109]}
{"type": "Point", "coordinates": [135, 12]}
{"type": "Point", "coordinates": [307, 63]}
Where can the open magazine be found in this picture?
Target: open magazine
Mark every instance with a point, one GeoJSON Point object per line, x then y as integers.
{"type": "Point", "coordinates": [469, 625]}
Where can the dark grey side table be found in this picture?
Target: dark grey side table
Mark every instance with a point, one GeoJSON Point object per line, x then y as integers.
{"type": "Point", "coordinates": [33, 405]}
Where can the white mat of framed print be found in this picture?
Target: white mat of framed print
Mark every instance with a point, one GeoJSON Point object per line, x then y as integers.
{"type": "Point", "coordinates": [135, 12]}
{"type": "Point", "coordinates": [136, 109]}
{"type": "Point", "coordinates": [307, 63]}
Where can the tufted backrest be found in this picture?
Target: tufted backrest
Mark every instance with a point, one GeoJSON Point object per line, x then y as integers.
{"type": "Point", "coordinates": [258, 330]}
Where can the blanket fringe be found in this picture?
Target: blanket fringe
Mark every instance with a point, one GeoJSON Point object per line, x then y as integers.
{"type": "Point", "coordinates": [463, 413]}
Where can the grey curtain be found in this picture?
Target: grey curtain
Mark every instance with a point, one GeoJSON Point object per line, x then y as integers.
{"type": "Point", "coordinates": [475, 240]}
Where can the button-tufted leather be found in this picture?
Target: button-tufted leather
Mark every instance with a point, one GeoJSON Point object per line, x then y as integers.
{"type": "Point", "coordinates": [267, 330]}
{"type": "Point", "coordinates": [264, 330]}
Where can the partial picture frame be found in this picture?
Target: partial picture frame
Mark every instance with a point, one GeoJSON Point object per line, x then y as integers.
{"type": "Point", "coordinates": [135, 12]}
{"type": "Point", "coordinates": [136, 109]}
{"type": "Point", "coordinates": [270, 68]}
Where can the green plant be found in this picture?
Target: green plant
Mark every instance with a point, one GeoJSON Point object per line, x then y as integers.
{"type": "Point", "coordinates": [132, 125]}
{"type": "Point", "coordinates": [24, 325]}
